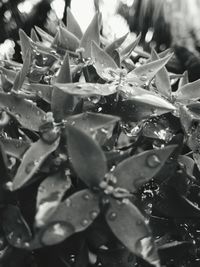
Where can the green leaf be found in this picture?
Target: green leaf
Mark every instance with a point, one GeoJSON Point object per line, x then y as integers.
{"type": "Point", "coordinates": [126, 52]}
{"type": "Point", "coordinates": [44, 35]}
{"type": "Point", "coordinates": [91, 34]}
{"type": "Point", "coordinates": [62, 104]}
{"type": "Point", "coordinates": [34, 35]}
{"type": "Point", "coordinates": [188, 163]}
{"type": "Point", "coordinates": [14, 147]}
{"type": "Point", "coordinates": [43, 91]}
{"type": "Point", "coordinates": [87, 89]}
{"type": "Point", "coordinates": [137, 170]}
{"type": "Point", "coordinates": [89, 122]}
{"type": "Point", "coordinates": [129, 226]}
{"type": "Point", "coordinates": [162, 79]}
{"type": "Point", "coordinates": [73, 215]}
{"type": "Point", "coordinates": [50, 194]}
{"type": "Point", "coordinates": [15, 228]}
{"type": "Point", "coordinates": [183, 80]}
{"type": "Point", "coordinates": [32, 160]}
{"type": "Point", "coordinates": [102, 60]}
{"type": "Point", "coordinates": [25, 43]}
{"type": "Point", "coordinates": [72, 25]}
{"type": "Point", "coordinates": [115, 44]}
{"type": "Point", "coordinates": [145, 73]}
{"type": "Point", "coordinates": [190, 91]}
{"type": "Point", "coordinates": [26, 112]}
{"type": "Point", "coordinates": [67, 40]}
{"type": "Point", "coordinates": [10, 74]}
{"type": "Point", "coordinates": [86, 156]}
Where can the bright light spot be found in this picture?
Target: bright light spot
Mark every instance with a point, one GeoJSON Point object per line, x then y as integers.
{"type": "Point", "coordinates": [149, 36]}
{"type": "Point", "coordinates": [7, 15]}
{"type": "Point", "coordinates": [58, 6]}
{"type": "Point", "coordinates": [7, 49]}
{"type": "Point", "coordinates": [27, 6]}
{"type": "Point", "coordinates": [83, 11]}
{"type": "Point", "coordinates": [127, 2]}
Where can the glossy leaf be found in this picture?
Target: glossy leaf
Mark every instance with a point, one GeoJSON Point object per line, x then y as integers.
{"type": "Point", "coordinates": [32, 160]}
{"type": "Point", "coordinates": [62, 104]}
{"type": "Point", "coordinates": [90, 122]}
{"type": "Point", "coordinates": [188, 163]}
{"type": "Point", "coordinates": [183, 80]}
{"type": "Point", "coordinates": [129, 226]}
{"type": "Point", "coordinates": [91, 34]}
{"type": "Point", "coordinates": [84, 153]}
{"type": "Point", "coordinates": [137, 170]}
{"type": "Point", "coordinates": [25, 43]}
{"type": "Point", "coordinates": [27, 113]}
{"type": "Point", "coordinates": [72, 25]}
{"type": "Point", "coordinates": [147, 72]}
{"type": "Point", "coordinates": [67, 40]}
{"type": "Point", "coordinates": [162, 79]}
{"type": "Point", "coordinates": [15, 228]}
{"type": "Point", "coordinates": [126, 52]}
{"type": "Point", "coordinates": [14, 147]}
{"type": "Point", "coordinates": [115, 44]}
{"type": "Point", "coordinates": [73, 215]}
{"type": "Point", "coordinates": [10, 74]}
{"type": "Point", "coordinates": [102, 60]}
{"type": "Point", "coordinates": [50, 194]}
{"type": "Point", "coordinates": [44, 35]}
{"type": "Point", "coordinates": [43, 91]}
{"type": "Point", "coordinates": [190, 91]}
{"type": "Point", "coordinates": [87, 89]}
{"type": "Point", "coordinates": [34, 35]}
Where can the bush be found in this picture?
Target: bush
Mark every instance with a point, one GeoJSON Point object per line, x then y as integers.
{"type": "Point", "coordinates": [99, 155]}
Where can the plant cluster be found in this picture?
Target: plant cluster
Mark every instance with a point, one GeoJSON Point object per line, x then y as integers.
{"type": "Point", "coordinates": [100, 156]}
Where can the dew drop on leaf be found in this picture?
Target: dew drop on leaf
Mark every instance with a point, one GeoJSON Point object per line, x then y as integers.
{"type": "Point", "coordinates": [153, 161]}
{"type": "Point", "coordinates": [84, 222]}
{"type": "Point", "coordinates": [86, 197]}
{"type": "Point", "coordinates": [93, 214]}
{"type": "Point", "coordinates": [143, 78]}
{"type": "Point", "coordinates": [68, 202]}
{"type": "Point", "coordinates": [112, 216]}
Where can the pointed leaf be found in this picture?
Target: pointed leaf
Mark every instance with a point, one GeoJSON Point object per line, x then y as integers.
{"type": "Point", "coordinates": [92, 33]}
{"type": "Point", "coordinates": [44, 35]}
{"type": "Point", "coordinates": [67, 40]}
{"type": "Point", "coordinates": [183, 80]}
{"type": "Point", "coordinates": [87, 89]}
{"type": "Point", "coordinates": [25, 43]}
{"type": "Point", "coordinates": [14, 147]}
{"type": "Point", "coordinates": [190, 91]}
{"type": "Point", "coordinates": [15, 228]}
{"type": "Point", "coordinates": [89, 122]}
{"type": "Point", "coordinates": [102, 60]}
{"type": "Point", "coordinates": [115, 44]}
{"type": "Point", "coordinates": [86, 156]}
{"type": "Point", "coordinates": [187, 162]}
{"type": "Point", "coordinates": [129, 226]}
{"type": "Point", "coordinates": [73, 215]}
{"type": "Point", "coordinates": [43, 91]}
{"type": "Point", "coordinates": [162, 79]}
{"type": "Point", "coordinates": [34, 36]}
{"type": "Point", "coordinates": [10, 74]}
{"type": "Point", "coordinates": [72, 24]}
{"type": "Point", "coordinates": [139, 169]}
{"type": "Point", "coordinates": [126, 52]}
{"type": "Point", "coordinates": [146, 72]}
{"type": "Point", "coordinates": [62, 104]}
{"type": "Point", "coordinates": [50, 194]}
{"type": "Point", "coordinates": [32, 160]}
{"type": "Point", "coordinates": [27, 113]}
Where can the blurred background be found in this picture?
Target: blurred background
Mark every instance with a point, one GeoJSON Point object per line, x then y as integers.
{"type": "Point", "coordinates": [163, 23]}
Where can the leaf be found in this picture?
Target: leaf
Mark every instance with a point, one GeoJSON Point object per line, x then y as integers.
{"type": "Point", "coordinates": [73, 215]}
{"type": "Point", "coordinates": [129, 226]}
{"type": "Point", "coordinates": [26, 112]}
{"type": "Point", "coordinates": [146, 72]}
{"type": "Point", "coordinates": [43, 91]}
{"type": "Point", "coordinates": [44, 35]}
{"type": "Point", "coordinates": [102, 60]}
{"type": "Point", "coordinates": [32, 160]}
{"type": "Point", "coordinates": [25, 43]}
{"type": "Point", "coordinates": [15, 228]}
{"type": "Point", "coordinates": [34, 36]}
{"type": "Point", "coordinates": [137, 170]}
{"type": "Point", "coordinates": [14, 147]}
{"type": "Point", "coordinates": [10, 74]}
{"type": "Point", "coordinates": [72, 24]}
{"type": "Point", "coordinates": [67, 40]}
{"type": "Point", "coordinates": [162, 79]}
{"type": "Point", "coordinates": [91, 34]}
{"type": "Point", "coordinates": [126, 52]}
{"type": "Point", "coordinates": [50, 194]}
{"type": "Point", "coordinates": [190, 91]}
{"type": "Point", "coordinates": [188, 163]}
{"type": "Point", "coordinates": [87, 89]}
{"type": "Point", "coordinates": [89, 122]}
{"type": "Point", "coordinates": [183, 80]}
{"type": "Point", "coordinates": [86, 156]}
{"type": "Point", "coordinates": [62, 104]}
{"type": "Point", "coordinates": [115, 44]}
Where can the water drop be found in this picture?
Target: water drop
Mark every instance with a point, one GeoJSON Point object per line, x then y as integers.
{"type": "Point", "coordinates": [84, 222]}
{"type": "Point", "coordinates": [17, 116]}
{"type": "Point", "coordinates": [143, 78]}
{"type": "Point", "coordinates": [29, 167]}
{"type": "Point", "coordinates": [93, 214]}
{"type": "Point", "coordinates": [68, 202]}
{"type": "Point", "coordinates": [86, 197]}
{"type": "Point", "coordinates": [112, 216]}
{"type": "Point", "coordinates": [153, 161]}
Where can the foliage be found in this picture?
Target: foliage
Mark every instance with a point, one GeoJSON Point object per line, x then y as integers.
{"type": "Point", "coordinates": [99, 157]}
